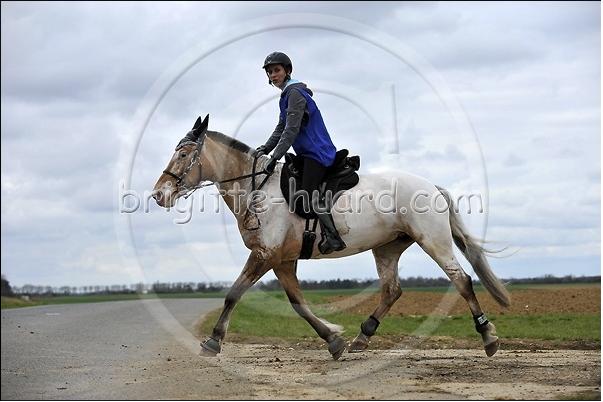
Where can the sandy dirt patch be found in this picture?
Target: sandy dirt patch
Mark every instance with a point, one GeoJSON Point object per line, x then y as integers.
{"type": "Point", "coordinates": [262, 371]}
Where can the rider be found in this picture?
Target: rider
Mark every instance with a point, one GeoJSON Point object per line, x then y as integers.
{"type": "Point", "coordinates": [301, 125]}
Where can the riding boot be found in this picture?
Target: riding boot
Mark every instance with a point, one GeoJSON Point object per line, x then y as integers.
{"type": "Point", "coordinates": [331, 241]}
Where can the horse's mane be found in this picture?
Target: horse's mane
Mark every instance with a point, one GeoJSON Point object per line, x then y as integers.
{"type": "Point", "coordinates": [229, 141]}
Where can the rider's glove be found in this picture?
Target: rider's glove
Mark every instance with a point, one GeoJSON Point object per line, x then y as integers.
{"type": "Point", "coordinates": [261, 150]}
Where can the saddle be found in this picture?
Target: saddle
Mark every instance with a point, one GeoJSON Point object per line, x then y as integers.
{"type": "Point", "coordinates": [340, 176]}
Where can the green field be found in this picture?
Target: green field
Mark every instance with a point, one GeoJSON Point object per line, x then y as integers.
{"type": "Point", "coordinates": [13, 302]}
{"type": "Point", "coordinates": [269, 314]}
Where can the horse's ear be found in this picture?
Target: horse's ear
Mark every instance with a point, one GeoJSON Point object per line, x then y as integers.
{"type": "Point", "coordinates": [197, 123]}
{"type": "Point", "coordinates": [200, 127]}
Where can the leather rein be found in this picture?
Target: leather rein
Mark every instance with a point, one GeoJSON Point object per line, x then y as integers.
{"type": "Point", "coordinates": [195, 159]}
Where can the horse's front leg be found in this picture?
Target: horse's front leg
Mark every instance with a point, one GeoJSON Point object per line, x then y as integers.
{"type": "Point", "coordinates": [256, 266]}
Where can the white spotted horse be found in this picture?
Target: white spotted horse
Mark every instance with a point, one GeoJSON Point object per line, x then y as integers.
{"type": "Point", "coordinates": [274, 235]}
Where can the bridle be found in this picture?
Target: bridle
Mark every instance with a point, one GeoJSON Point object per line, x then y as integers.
{"type": "Point", "coordinates": [188, 191]}
{"type": "Point", "coordinates": [194, 160]}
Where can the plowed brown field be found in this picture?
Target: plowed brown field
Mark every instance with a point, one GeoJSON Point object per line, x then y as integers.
{"type": "Point", "coordinates": [562, 299]}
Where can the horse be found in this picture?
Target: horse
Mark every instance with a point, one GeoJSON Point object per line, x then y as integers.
{"type": "Point", "coordinates": [273, 233]}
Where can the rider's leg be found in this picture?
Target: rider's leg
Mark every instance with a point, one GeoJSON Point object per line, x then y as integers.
{"type": "Point", "coordinates": [313, 175]}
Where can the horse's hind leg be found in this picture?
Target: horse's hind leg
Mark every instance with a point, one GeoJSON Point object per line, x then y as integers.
{"type": "Point", "coordinates": [286, 274]}
{"type": "Point", "coordinates": [441, 251]}
{"type": "Point", "coordinates": [386, 258]}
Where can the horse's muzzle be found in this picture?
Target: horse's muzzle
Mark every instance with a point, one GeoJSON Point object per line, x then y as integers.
{"type": "Point", "coordinates": [159, 198]}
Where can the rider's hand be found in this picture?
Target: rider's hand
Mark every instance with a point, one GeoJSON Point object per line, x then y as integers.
{"type": "Point", "coordinates": [271, 165]}
{"type": "Point", "coordinates": [261, 150]}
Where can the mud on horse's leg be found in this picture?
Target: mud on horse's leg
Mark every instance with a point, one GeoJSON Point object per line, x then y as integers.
{"type": "Point", "coordinates": [286, 274]}
{"type": "Point", "coordinates": [464, 285]}
{"type": "Point", "coordinates": [386, 258]}
{"type": "Point", "coordinates": [255, 267]}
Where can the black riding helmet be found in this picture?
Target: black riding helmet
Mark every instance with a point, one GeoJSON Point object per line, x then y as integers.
{"type": "Point", "coordinates": [278, 58]}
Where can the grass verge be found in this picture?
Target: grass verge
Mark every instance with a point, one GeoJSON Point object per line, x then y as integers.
{"type": "Point", "coordinates": [14, 302]}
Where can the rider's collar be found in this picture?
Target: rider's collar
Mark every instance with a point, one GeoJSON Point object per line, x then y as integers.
{"type": "Point", "coordinates": [291, 81]}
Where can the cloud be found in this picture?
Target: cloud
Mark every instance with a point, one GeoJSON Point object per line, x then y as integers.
{"type": "Point", "coordinates": [75, 77]}
{"type": "Point", "coordinates": [514, 161]}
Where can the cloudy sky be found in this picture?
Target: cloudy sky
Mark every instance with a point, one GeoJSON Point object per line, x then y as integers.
{"type": "Point", "coordinates": [502, 100]}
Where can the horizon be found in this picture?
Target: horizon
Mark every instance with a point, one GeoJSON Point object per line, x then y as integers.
{"type": "Point", "coordinates": [374, 281]}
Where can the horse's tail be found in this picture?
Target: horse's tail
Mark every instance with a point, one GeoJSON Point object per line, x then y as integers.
{"type": "Point", "coordinates": [475, 254]}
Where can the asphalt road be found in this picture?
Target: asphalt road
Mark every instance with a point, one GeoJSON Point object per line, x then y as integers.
{"type": "Point", "coordinates": [89, 351]}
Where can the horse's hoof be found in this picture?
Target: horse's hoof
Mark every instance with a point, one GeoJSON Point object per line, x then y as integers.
{"type": "Point", "coordinates": [206, 353]}
{"type": "Point", "coordinates": [357, 347]}
{"type": "Point", "coordinates": [492, 348]}
{"type": "Point", "coordinates": [210, 348]}
{"type": "Point", "coordinates": [359, 344]}
{"type": "Point", "coordinates": [337, 347]}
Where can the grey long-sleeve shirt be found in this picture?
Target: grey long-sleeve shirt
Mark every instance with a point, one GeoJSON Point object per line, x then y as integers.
{"type": "Point", "coordinates": [286, 131]}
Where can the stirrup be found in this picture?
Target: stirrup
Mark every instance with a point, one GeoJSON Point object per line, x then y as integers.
{"type": "Point", "coordinates": [326, 245]}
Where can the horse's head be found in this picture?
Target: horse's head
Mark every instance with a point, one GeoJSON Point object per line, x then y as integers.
{"type": "Point", "coordinates": [183, 172]}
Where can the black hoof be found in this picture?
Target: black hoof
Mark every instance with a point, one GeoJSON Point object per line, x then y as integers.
{"type": "Point", "coordinates": [210, 347]}
{"type": "Point", "coordinates": [337, 347]}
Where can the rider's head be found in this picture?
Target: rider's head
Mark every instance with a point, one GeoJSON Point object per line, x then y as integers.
{"type": "Point", "coordinates": [278, 68]}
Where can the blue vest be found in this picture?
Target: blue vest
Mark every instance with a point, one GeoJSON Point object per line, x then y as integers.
{"type": "Point", "coordinates": [313, 140]}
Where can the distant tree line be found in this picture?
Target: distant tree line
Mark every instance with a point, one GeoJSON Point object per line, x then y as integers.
{"type": "Point", "coordinates": [202, 287]}
{"type": "Point", "coordinates": [420, 282]}
{"type": "Point", "coordinates": [137, 288]}
{"type": "Point", "coordinates": [412, 282]}
{"type": "Point", "coordinates": [551, 279]}
{"type": "Point", "coordinates": [187, 287]}
{"type": "Point", "coordinates": [326, 284]}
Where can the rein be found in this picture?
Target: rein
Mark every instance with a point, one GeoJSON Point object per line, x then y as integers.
{"type": "Point", "coordinates": [253, 174]}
